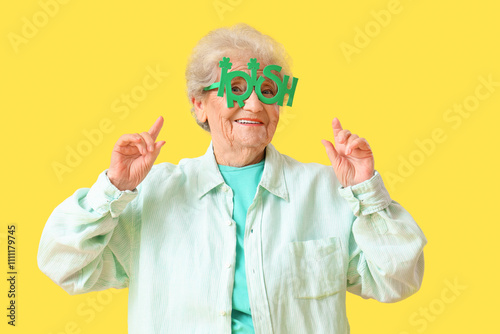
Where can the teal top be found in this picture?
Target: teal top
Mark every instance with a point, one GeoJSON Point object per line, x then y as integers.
{"type": "Point", "coordinates": [243, 181]}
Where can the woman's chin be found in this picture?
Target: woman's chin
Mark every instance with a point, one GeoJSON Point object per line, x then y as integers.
{"type": "Point", "coordinates": [253, 142]}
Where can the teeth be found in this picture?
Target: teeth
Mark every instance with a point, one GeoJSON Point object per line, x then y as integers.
{"type": "Point", "coordinates": [247, 122]}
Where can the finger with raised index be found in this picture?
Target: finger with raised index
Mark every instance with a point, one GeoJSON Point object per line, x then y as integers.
{"type": "Point", "coordinates": [155, 129]}
{"type": "Point", "coordinates": [337, 127]}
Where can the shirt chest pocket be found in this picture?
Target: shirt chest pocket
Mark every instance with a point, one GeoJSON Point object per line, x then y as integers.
{"type": "Point", "coordinates": [317, 270]}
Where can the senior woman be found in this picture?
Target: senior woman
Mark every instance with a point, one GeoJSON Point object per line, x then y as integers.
{"type": "Point", "coordinates": [242, 239]}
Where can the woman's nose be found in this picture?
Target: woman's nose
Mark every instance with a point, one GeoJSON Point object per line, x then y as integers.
{"type": "Point", "coordinates": [253, 103]}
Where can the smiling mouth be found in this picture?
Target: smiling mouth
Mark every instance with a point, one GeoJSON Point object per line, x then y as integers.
{"type": "Point", "coordinates": [248, 122]}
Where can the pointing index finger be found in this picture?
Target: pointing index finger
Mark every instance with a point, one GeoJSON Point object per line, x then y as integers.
{"type": "Point", "coordinates": [337, 127]}
{"type": "Point", "coordinates": [155, 129]}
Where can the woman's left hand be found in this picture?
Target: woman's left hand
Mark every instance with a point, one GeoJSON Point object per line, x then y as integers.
{"type": "Point", "coordinates": [351, 157]}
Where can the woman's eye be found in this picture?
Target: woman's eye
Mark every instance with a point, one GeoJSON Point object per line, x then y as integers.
{"type": "Point", "coordinates": [237, 90]}
{"type": "Point", "coordinates": [268, 92]}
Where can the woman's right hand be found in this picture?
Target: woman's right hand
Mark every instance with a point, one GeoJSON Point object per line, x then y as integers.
{"type": "Point", "coordinates": [133, 156]}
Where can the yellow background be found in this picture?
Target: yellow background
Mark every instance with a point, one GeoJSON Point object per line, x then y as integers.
{"type": "Point", "coordinates": [394, 91]}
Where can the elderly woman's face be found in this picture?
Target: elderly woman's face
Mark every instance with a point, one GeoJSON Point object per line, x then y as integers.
{"type": "Point", "coordinates": [228, 126]}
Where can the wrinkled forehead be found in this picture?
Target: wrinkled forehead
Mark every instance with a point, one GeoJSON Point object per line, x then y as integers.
{"type": "Point", "coordinates": [240, 80]}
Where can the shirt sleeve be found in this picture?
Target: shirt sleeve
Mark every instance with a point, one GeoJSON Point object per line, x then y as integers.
{"type": "Point", "coordinates": [386, 260]}
{"type": "Point", "coordinates": [86, 242]}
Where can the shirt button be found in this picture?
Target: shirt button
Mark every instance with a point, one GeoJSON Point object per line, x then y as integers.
{"type": "Point", "coordinates": [229, 222]}
{"type": "Point", "coordinates": [223, 313]}
{"type": "Point", "coordinates": [225, 189]}
{"type": "Point", "coordinates": [228, 265]}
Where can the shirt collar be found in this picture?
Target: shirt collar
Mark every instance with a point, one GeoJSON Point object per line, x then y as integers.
{"type": "Point", "coordinates": [273, 178]}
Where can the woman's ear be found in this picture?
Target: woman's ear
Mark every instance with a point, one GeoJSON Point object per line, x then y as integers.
{"type": "Point", "coordinates": [199, 109]}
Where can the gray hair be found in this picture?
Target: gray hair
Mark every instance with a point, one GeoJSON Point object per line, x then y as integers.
{"type": "Point", "coordinates": [203, 65]}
